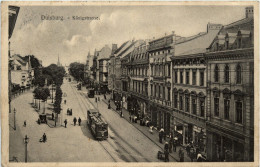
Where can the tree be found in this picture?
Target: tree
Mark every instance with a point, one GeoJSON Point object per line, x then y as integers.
{"type": "Point", "coordinates": [57, 103]}
{"type": "Point", "coordinates": [41, 94]}
{"type": "Point", "coordinates": [77, 71]}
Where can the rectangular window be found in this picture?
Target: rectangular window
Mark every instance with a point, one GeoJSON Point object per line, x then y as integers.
{"type": "Point", "coordinates": [175, 101]}
{"type": "Point", "coordinates": [187, 104]}
{"type": "Point", "coordinates": [239, 113]}
{"type": "Point", "coordinates": [194, 106]}
{"type": "Point", "coordinates": [163, 92]}
{"type": "Point", "coordinates": [151, 90]}
{"type": "Point", "coordinates": [155, 91]}
{"type": "Point", "coordinates": [169, 94]}
{"type": "Point", "coordinates": [152, 67]}
{"type": "Point", "coordinates": [187, 77]}
{"type": "Point", "coordinates": [169, 70]}
{"type": "Point", "coordinates": [226, 108]}
{"type": "Point", "coordinates": [159, 94]}
{"type": "Point", "coordinates": [194, 77]}
{"type": "Point", "coordinates": [202, 108]}
{"type": "Point", "coordinates": [201, 78]}
{"type": "Point", "coordinates": [181, 103]}
{"type": "Point", "coordinates": [216, 106]}
{"type": "Point", "coordinates": [181, 77]}
{"type": "Point", "coordinates": [176, 77]}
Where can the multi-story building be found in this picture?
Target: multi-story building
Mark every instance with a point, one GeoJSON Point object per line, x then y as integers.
{"type": "Point", "coordinates": [189, 83]}
{"type": "Point", "coordinates": [115, 63]}
{"type": "Point", "coordinates": [138, 69]}
{"type": "Point", "coordinates": [230, 93]}
{"type": "Point", "coordinates": [21, 71]}
{"type": "Point", "coordinates": [159, 51]}
{"type": "Point", "coordinates": [103, 59]}
{"type": "Point", "coordinates": [94, 67]}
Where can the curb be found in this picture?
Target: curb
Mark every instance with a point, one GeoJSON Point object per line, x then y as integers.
{"type": "Point", "coordinates": [140, 131]}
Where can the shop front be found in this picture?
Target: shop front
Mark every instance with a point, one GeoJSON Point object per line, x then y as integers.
{"type": "Point", "coordinates": [223, 147]}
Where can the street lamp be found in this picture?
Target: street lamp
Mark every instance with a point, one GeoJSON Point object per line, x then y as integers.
{"type": "Point", "coordinates": [14, 119]}
{"type": "Point", "coordinates": [26, 141]}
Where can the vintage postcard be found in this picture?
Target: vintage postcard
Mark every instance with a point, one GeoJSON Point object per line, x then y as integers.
{"type": "Point", "coordinates": [130, 83]}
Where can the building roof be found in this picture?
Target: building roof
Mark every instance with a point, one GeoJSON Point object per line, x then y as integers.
{"type": "Point", "coordinates": [121, 47]}
{"type": "Point", "coordinates": [105, 52]}
{"type": "Point", "coordinates": [195, 44]}
{"type": "Point", "coordinates": [239, 22]}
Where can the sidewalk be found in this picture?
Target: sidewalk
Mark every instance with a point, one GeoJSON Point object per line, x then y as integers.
{"type": "Point", "coordinates": [144, 129]}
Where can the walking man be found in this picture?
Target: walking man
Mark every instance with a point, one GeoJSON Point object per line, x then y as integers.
{"type": "Point", "coordinates": [160, 136]}
{"type": "Point", "coordinates": [65, 122]}
{"type": "Point", "coordinates": [75, 121]}
{"type": "Point", "coordinates": [181, 155]}
{"type": "Point", "coordinates": [170, 145]}
{"type": "Point", "coordinates": [166, 152]}
{"type": "Point", "coordinates": [79, 120]}
{"type": "Point", "coordinates": [24, 123]}
{"type": "Point", "coordinates": [174, 145]}
{"type": "Point", "coordinates": [52, 116]}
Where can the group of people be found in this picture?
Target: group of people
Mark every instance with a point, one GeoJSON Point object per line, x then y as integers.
{"type": "Point", "coordinates": [192, 151]}
{"type": "Point", "coordinates": [74, 121]}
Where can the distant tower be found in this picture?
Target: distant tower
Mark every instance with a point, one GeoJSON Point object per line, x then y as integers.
{"type": "Point", "coordinates": [58, 63]}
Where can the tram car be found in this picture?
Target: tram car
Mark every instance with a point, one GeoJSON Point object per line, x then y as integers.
{"type": "Point", "coordinates": [97, 125]}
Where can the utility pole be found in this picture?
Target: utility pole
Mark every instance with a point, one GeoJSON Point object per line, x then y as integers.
{"type": "Point", "coordinates": [14, 119]}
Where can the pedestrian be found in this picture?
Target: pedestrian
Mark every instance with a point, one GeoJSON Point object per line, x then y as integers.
{"type": "Point", "coordinates": [192, 154]}
{"type": "Point", "coordinates": [75, 121]}
{"type": "Point", "coordinates": [109, 107]}
{"type": "Point", "coordinates": [188, 149]}
{"type": "Point", "coordinates": [52, 116]}
{"type": "Point", "coordinates": [65, 101]}
{"type": "Point", "coordinates": [105, 97]}
{"type": "Point", "coordinates": [174, 144]}
{"type": "Point", "coordinates": [71, 111]}
{"type": "Point", "coordinates": [65, 122]}
{"type": "Point", "coordinates": [181, 155]}
{"type": "Point", "coordinates": [199, 157]}
{"type": "Point", "coordinates": [24, 123]}
{"type": "Point", "coordinates": [68, 111]}
{"type": "Point", "coordinates": [170, 145]}
{"type": "Point", "coordinates": [79, 120]}
{"type": "Point", "coordinates": [44, 137]}
{"type": "Point", "coordinates": [166, 153]}
{"type": "Point", "coordinates": [166, 146]}
{"type": "Point", "coordinates": [160, 136]}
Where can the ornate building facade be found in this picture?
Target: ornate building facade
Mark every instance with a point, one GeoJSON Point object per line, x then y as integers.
{"type": "Point", "coordinates": [189, 83]}
{"type": "Point", "coordinates": [159, 52]}
{"type": "Point", "coordinates": [230, 94]}
{"type": "Point", "coordinates": [138, 81]}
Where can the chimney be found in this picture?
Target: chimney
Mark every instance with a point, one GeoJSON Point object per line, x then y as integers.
{"type": "Point", "coordinates": [249, 12]}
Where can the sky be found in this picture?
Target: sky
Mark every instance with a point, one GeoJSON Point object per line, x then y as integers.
{"type": "Point", "coordinates": [71, 40]}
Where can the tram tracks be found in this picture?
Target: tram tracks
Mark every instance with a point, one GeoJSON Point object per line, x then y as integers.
{"type": "Point", "coordinates": [125, 155]}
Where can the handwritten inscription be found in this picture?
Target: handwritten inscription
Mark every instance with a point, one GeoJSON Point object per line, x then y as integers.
{"type": "Point", "coordinates": [62, 18]}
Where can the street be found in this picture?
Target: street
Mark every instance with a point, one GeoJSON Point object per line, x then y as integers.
{"type": "Point", "coordinates": [76, 143]}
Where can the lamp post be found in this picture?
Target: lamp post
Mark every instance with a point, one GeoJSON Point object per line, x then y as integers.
{"type": "Point", "coordinates": [26, 141]}
{"type": "Point", "coordinates": [14, 119]}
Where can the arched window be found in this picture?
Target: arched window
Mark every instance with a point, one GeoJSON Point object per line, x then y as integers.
{"type": "Point", "coordinates": [226, 72]}
{"type": "Point", "coordinates": [216, 73]}
{"type": "Point", "coordinates": [238, 73]}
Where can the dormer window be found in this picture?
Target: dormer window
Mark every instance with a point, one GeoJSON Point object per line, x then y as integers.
{"type": "Point", "coordinates": [227, 43]}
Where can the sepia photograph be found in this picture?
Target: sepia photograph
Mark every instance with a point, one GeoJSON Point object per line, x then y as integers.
{"type": "Point", "coordinates": [115, 82]}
